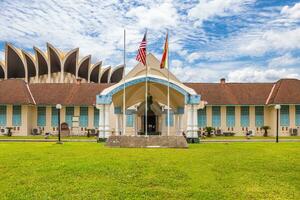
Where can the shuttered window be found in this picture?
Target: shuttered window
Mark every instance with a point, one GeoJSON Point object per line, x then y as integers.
{"type": "Point", "coordinates": [54, 117]}
{"type": "Point", "coordinates": [84, 118]}
{"type": "Point", "coordinates": [245, 116]}
{"type": "Point", "coordinates": [259, 116]}
{"type": "Point", "coordinates": [96, 117]}
{"type": "Point", "coordinates": [216, 116]}
{"type": "Point", "coordinates": [202, 117]}
{"type": "Point", "coordinates": [17, 116]}
{"type": "Point", "coordinates": [297, 115]}
{"type": "Point", "coordinates": [41, 116]}
{"type": "Point", "coordinates": [230, 116]}
{"type": "Point", "coordinates": [285, 115]}
{"type": "Point", "coordinates": [2, 115]}
{"type": "Point", "coordinates": [69, 115]}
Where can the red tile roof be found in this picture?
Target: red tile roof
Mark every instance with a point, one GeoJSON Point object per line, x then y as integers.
{"type": "Point", "coordinates": [15, 91]}
{"type": "Point", "coordinates": [285, 91]}
{"type": "Point", "coordinates": [66, 93]}
{"type": "Point", "coordinates": [233, 93]}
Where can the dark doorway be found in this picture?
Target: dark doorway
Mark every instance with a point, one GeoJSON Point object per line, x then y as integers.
{"type": "Point", "coordinates": [151, 123]}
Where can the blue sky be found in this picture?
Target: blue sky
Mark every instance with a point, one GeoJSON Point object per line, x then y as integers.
{"type": "Point", "coordinates": [241, 40]}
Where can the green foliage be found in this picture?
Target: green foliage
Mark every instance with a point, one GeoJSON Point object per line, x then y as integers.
{"type": "Point", "coordinates": [204, 171]}
{"type": "Point", "coordinates": [209, 130]}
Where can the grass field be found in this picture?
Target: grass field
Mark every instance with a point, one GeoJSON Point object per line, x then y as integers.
{"type": "Point", "coordinates": [204, 171]}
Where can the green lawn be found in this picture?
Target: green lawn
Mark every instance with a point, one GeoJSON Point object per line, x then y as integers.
{"type": "Point", "coordinates": [204, 171]}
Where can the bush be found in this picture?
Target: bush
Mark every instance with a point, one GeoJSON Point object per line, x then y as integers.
{"type": "Point", "coordinates": [228, 134]}
{"type": "Point", "coordinates": [209, 130]}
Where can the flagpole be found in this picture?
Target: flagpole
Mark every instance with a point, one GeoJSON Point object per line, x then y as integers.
{"type": "Point", "coordinates": [146, 94]}
{"type": "Point", "coordinates": [124, 88]}
{"type": "Point", "coordinates": [146, 99]}
{"type": "Point", "coordinates": [168, 85]}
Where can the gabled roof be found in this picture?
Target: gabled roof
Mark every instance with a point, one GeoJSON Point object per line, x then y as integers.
{"type": "Point", "coordinates": [286, 91]}
{"type": "Point", "coordinates": [15, 91]}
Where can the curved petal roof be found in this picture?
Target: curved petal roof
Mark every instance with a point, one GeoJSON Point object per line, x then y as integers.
{"type": "Point", "coordinates": [54, 58]}
{"type": "Point", "coordinates": [2, 72]}
{"type": "Point", "coordinates": [14, 63]}
{"type": "Point", "coordinates": [31, 68]}
{"type": "Point", "coordinates": [71, 61]}
{"type": "Point", "coordinates": [41, 62]}
{"type": "Point", "coordinates": [117, 74]}
{"type": "Point", "coordinates": [105, 75]}
{"type": "Point", "coordinates": [83, 69]}
{"type": "Point", "coordinates": [95, 71]}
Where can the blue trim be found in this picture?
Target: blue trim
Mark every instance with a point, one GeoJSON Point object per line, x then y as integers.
{"type": "Point", "coordinates": [189, 98]}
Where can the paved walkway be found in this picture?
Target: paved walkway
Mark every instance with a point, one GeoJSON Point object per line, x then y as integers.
{"type": "Point", "coordinates": [201, 141]}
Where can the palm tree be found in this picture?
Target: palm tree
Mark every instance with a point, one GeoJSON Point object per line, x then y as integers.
{"type": "Point", "coordinates": [265, 128]}
{"type": "Point", "coordinates": [209, 130]}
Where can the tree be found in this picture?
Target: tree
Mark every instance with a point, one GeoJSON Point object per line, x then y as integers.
{"type": "Point", "coordinates": [209, 130]}
{"type": "Point", "coordinates": [265, 128]}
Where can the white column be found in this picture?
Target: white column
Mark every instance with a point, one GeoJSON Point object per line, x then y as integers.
{"type": "Point", "coordinates": [192, 122]}
{"type": "Point", "coordinates": [189, 130]}
{"type": "Point", "coordinates": [101, 121]}
{"type": "Point", "coordinates": [195, 122]}
{"type": "Point", "coordinates": [180, 124]}
{"type": "Point", "coordinates": [117, 124]}
{"type": "Point", "coordinates": [107, 119]}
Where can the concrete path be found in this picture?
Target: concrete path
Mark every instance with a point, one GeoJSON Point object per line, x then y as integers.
{"type": "Point", "coordinates": [201, 141]}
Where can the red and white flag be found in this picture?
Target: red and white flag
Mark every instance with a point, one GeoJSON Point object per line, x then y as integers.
{"type": "Point", "coordinates": [141, 56]}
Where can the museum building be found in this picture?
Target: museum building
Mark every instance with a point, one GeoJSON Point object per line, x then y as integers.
{"type": "Point", "coordinates": [91, 95]}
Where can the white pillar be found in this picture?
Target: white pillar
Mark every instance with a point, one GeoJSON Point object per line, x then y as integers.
{"type": "Point", "coordinates": [192, 122]}
{"type": "Point", "coordinates": [117, 124]}
{"type": "Point", "coordinates": [106, 118]}
{"type": "Point", "coordinates": [101, 121]}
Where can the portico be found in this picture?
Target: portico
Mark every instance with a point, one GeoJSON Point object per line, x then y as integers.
{"type": "Point", "coordinates": [184, 103]}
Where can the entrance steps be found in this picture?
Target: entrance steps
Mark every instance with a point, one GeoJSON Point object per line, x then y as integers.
{"type": "Point", "coordinates": [152, 141]}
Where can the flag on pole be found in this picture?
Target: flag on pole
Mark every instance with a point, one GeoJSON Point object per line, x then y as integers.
{"type": "Point", "coordinates": [141, 56]}
{"type": "Point", "coordinates": [164, 59]}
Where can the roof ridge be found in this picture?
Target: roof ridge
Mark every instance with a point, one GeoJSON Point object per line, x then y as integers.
{"type": "Point", "coordinates": [277, 89]}
{"type": "Point", "coordinates": [31, 96]}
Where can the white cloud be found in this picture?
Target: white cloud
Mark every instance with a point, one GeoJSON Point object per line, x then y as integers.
{"type": "Point", "coordinates": [158, 17]}
{"type": "Point", "coordinates": [254, 74]}
{"type": "Point", "coordinates": [292, 12]}
{"type": "Point", "coordinates": [1, 55]}
{"type": "Point", "coordinates": [284, 61]}
{"type": "Point", "coordinates": [207, 9]}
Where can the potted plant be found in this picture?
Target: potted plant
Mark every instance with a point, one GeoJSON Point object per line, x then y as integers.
{"type": "Point", "coordinates": [209, 130]}
{"type": "Point", "coordinates": [265, 128]}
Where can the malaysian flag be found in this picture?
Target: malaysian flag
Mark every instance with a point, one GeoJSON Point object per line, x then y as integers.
{"type": "Point", "coordinates": [141, 56]}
